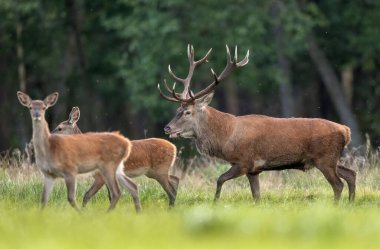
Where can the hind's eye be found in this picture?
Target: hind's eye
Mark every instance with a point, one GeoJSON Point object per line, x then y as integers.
{"type": "Point", "coordinates": [59, 129]}
{"type": "Point", "coordinates": [30, 108]}
{"type": "Point", "coordinates": [187, 113]}
{"type": "Point", "coordinates": [44, 108]}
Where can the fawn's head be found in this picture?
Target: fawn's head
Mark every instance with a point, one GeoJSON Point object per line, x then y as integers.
{"type": "Point", "coordinates": [69, 126]}
{"type": "Point", "coordinates": [193, 106]}
{"type": "Point", "coordinates": [37, 108]}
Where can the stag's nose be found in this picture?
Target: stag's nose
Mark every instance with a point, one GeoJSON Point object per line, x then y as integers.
{"type": "Point", "coordinates": [167, 129]}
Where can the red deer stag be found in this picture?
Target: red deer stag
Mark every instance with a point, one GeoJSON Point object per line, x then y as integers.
{"type": "Point", "coordinates": [67, 156]}
{"type": "Point", "coordinates": [256, 143]}
{"type": "Point", "coordinates": [152, 157]}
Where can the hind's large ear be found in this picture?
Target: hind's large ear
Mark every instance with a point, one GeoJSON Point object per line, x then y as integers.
{"type": "Point", "coordinates": [24, 99]}
{"type": "Point", "coordinates": [51, 99]}
{"type": "Point", "coordinates": [74, 115]}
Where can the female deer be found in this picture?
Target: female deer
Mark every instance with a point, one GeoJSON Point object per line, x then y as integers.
{"type": "Point", "coordinates": [152, 157]}
{"type": "Point", "coordinates": [67, 156]}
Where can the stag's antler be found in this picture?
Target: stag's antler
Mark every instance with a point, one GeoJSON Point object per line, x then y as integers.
{"type": "Point", "coordinates": [187, 96]}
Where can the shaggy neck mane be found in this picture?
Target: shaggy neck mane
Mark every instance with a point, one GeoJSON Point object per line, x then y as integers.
{"type": "Point", "coordinates": [213, 131]}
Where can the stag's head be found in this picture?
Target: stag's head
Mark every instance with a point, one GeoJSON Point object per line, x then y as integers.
{"type": "Point", "coordinates": [193, 106]}
{"type": "Point", "coordinates": [69, 126]}
{"type": "Point", "coordinates": [37, 108]}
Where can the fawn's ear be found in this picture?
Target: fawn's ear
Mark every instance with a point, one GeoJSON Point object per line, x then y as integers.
{"type": "Point", "coordinates": [51, 99]}
{"type": "Point", "coordinates": [24, 99]}
{"type": "Point", "coordinates": [74, 115]}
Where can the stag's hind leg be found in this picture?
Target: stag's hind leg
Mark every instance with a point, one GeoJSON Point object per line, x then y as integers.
{"type": "Point", "coordinates": [329, 170]}
{"type": "Point", "coordinates": [255, 186]}
{"type": "Point", "coordinates": [350, 177]}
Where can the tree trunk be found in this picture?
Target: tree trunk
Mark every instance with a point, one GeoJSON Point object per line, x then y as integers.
{"type": "Point", "coordinates": [231, 97]}
{"type": "Point", "coordinates": [90, 113]}
{"type": "Point", "coordinates": [334, 89]}
{"type": "Point", "coordinates": [286, 89]}
{"type": "Point", "coordinates": [347, 81]}
{"type": "Point", "coordinates": [21, 78]}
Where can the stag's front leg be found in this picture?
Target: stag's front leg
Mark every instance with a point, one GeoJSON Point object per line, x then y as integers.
{"type": "Point", "coordinates": [48, 186]}
{"type": "Point", "coordinates": [233, 172]}
{"type": "Point", "coordinates": [71, 189]}
{"type": "Point", "coordinates": [255, 186]}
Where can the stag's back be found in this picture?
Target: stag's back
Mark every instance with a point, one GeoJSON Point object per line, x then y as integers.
{"type": "Point", "coordinates": [286, 140]}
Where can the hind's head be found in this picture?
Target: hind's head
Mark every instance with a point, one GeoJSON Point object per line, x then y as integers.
{"type": "Point", "coordinates": [37, 108]}
{"type": "Point", "coordinates": [69, 126]}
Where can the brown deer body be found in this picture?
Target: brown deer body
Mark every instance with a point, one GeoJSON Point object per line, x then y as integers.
{"type": "Point", "coordinates": [256, 143]}
{"type": "Point", "coordinates": [67, 156]}
{"type": "Point", "coordinates": [152, 157]}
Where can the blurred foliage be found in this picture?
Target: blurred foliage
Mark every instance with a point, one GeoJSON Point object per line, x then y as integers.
{"type": "Point", "coordinates": [127, 46]}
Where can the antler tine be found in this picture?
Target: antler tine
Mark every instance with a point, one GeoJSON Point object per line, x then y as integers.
{"type": "Point", "coordinates": [175, 76]}
{"type": "Point", "coordinates": [204, 57]}
{"type": "Point", "coordinates": [209, 88]}
{"type": "Point", "coordinates": [231, 64]}
{"type": "Point", "coordinates": [228, 54]}
{"type": "Point", "coordinates": [176, 95]}
{"type": "Point", "coordinates": [190, 53]}
{"type": "Point", "coordinates": [244, 61]}
{"type": "Point", "coordinates": [235, 56]}
{"type": "Point", "coordinates": [168, 88]}
{"type": "Point", "coordinates": [166, 97]}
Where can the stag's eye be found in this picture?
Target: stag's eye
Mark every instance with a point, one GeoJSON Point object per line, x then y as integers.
{"type": "Point", "coordinates": [187, 113]}
{"type": "Point", "coordinates": [30, 108]}
{"type": "Point", "coordinates": [59, 129]}
{"type": "Point", "coordinates": [44, 108]}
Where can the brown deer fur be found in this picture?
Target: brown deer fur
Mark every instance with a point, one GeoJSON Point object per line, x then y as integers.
{"type": "Point", "coordinates": [256, 143]}
{"type": "Point", "coordinates": [152, 157]}
{"type": "Point", "coordinates": [67, 156]}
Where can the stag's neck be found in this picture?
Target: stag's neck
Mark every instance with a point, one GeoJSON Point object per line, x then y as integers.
{"type": "Point", "coordinates": [213, 131]}
{"type": "Point", "coordinates": [41, 135]}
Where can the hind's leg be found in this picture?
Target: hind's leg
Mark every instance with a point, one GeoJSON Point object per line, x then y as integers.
{"type": "Point", "coordinates": [131, 187]}
{"type": "Point", "coordinates": [109, 177]}
{"type": "Point", "coordinates": [96, 186]}
{"type": "Point", "coordinates": [328, 168]}
{"type": "Point", "coordinates": [170, 188]}
{"type": "Point", "coordinates": [350, 177]}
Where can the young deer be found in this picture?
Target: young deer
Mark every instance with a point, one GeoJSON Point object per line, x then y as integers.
{"type": "Point", "coordinates": [256, 143]}
{"type": "Point", "coordinates": [152, 157]}
{"type": "Point", "coordinates": [67, 156]}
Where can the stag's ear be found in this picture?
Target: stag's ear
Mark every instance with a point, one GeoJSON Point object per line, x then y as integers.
{"type": "Point", "coordinates": [23, 98]}
{"type": "Point", "coordinates": [204, 100]}
{"type": "Point", "coordinates": [51, 99]}
{"type": "Point", "coordinates": [74, 115]}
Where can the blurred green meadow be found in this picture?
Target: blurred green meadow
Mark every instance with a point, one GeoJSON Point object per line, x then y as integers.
{"type": "Point", "coordinates": [296, 211]}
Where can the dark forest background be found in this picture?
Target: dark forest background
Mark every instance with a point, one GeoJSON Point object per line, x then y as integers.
{"type": "Point", "coordinates": [308, 59]}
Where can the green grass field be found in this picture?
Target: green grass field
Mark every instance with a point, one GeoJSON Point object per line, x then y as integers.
{"type": "Point", "coordinates": [297, 211]}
